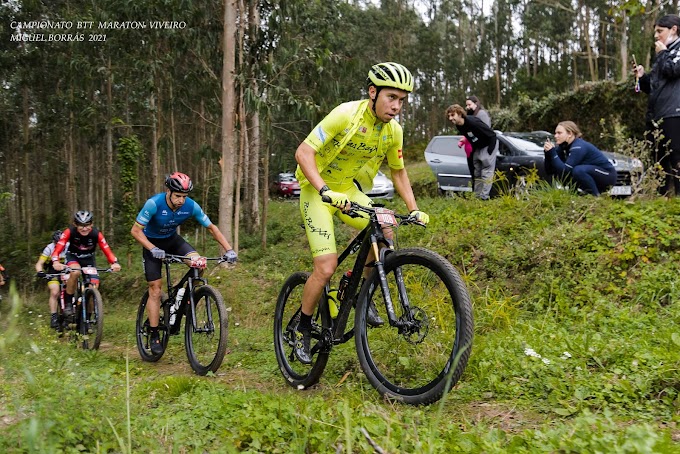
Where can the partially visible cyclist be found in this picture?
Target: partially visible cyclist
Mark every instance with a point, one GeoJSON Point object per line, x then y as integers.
{"type": "Point", "coordinates": [52, 284]}
{"type": "Point", "coordinates": [354, 136]}
{"type": "Point", "coordinates": [156, 230]}
{"type": "Point", "coordinates": [80, 243]}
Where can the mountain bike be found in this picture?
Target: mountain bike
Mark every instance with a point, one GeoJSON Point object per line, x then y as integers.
{"type": "Point", "coordinates": [423, 350]}
{"type": "Point", "coordinates": [85, 319]}
{"type": "Point", "coordinates": [205, 338]}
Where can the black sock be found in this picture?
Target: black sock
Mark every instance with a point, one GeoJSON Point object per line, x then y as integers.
{"type": "Point", "coordinates": [305, 322]}
{"type": "Point", "coordinates": [153, 330]}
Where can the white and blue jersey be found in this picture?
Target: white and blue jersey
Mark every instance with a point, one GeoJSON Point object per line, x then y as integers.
{"type": "Point", "coordinates": [159, 221]}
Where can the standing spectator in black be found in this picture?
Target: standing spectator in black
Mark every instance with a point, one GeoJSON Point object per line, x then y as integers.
{"type": "Point", "coordinates": [585, 163]}
{"type": "Point", "coordinates": [663, 107]}
{"type": "Point", "coordinates": [474, 107]}
{"type": "Point", "coordinates": [484, 147]}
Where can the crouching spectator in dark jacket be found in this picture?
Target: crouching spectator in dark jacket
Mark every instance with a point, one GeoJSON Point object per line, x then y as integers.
{"type": "Point", "coordinates": [573, 157]}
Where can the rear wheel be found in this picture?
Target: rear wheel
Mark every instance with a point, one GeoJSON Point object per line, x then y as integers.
{"type": "Point", "coordinates": [92, 326]}
{"type": "Point", "coordinates": [423, 358]}
{"type": "Point", "coordinates": [143, 331]}
{"type": "Point", "coordinates": [207, 342]}
{"type": "Point", "coordinates": [286, 319]}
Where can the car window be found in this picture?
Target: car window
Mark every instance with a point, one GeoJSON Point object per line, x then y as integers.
{"type": "Point", "coordinates": [523, 144]}
{"type": "Point", "coordinates": [503, 149]}
{"type": "Point", "coordinates": [446, 145]}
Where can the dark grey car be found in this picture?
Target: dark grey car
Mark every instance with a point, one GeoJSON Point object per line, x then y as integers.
{"type": "Point", "coordinates": [449, 163]}
{"type": "Point", "coordinates": [517, 154]}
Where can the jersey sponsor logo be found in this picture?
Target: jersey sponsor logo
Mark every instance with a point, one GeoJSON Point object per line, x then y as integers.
{"type": "Point", "coordinates": [320, 134]}
{"type": "Point", "coordinates": [363, 129]}
{"type": "Point", "coordinates": [164, 212]}
{"type": "Point", "coordinates": [400, 154]}
{"type": "Point", "coordinates": [362, 146]}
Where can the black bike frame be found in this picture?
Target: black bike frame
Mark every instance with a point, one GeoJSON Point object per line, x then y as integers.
{"type": "Point", "coordinates": [369, 238]}
{"type": "Point", "coordinates": [191, 275]}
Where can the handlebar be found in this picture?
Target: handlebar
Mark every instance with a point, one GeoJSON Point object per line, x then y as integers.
{"type": "Point", "coordinates": [355, 210]}
{"type": "Point", "coordinates": [171, 258]}
{"type": "Point", "coordinates": [68, 270]}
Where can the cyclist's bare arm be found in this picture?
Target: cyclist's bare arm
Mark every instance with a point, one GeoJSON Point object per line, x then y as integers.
{"type": "Point", "coordinates": [305, 156]}
{"type": "Point", "coordinates": [403, 186]}
{"type": "Point", "coordinates": [137, 233]}
{"type": "Point", "coordinates": [215, 232]}
{"type": "Point", "coordinates": [40, 263]}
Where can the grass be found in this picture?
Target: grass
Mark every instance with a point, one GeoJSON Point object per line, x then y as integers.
{"type": "Point", "coordinates": [576, 340]}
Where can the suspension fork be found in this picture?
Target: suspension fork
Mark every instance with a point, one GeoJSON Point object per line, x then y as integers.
{"type": "Point", "coordinates": [195, 276]}
{"type": "Point", "coordinates": [380, 255]}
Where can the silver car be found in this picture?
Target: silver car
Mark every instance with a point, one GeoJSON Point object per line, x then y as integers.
{"type": "Point", "coordinates": [383, 188]}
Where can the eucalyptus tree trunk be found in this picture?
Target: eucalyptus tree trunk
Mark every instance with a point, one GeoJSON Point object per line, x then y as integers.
{"type": "Point", "coordinates": [91, 190]}
{"type": "Point", "coordinates": [71, 187]}
{"type": "Point", "coordinates": [27, 180]}
{"type": "Point", "coordinates": [173, 136]}
{"type": "Point", "coordinates": [497, 47]}
{"type": "Point", "coordinates": [108, 182]}
{"type": "Point", "coordinates": [584, 26]}
{"type": "Point", "coordinates": [623, 46]}
{"type": "Point", "coordinates": [653, 7]}
{"type": "Point", "coordinates": [253, 177]}
{"type": "Point", "coordinates": [155, 178]}
{"type": "Point", "coordinates": [265, 198]}
{"type": "Point", "coordinates": [228, 108]}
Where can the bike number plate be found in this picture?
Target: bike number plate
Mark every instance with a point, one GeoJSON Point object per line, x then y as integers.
{"type": "Point", "coordinates": [89, 270]}
{"type": "Point", "coordinates": [385, 216]}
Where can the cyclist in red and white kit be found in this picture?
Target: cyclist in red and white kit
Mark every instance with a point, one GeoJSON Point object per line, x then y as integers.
{"type": "Point", "coordinates": [83, 240]}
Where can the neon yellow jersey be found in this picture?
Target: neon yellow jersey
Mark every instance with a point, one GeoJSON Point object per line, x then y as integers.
{"type": "Point", "coordinates": [350, 138]}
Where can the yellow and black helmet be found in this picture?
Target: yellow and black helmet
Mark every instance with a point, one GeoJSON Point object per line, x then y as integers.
{"type": "Point", "coordinates": [390, 74]}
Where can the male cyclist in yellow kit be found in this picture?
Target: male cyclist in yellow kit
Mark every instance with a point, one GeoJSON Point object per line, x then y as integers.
{"type": "Point", "coordinates": [356, 135]}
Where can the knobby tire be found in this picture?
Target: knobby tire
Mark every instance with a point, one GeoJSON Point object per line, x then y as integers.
{"type": "Point", "coordinates": [205, 350]}
{"type": "Point", "coordinates": [418, 367]}
{"type": "Point", "coordinates": [143, 335]}
{"type": "Point", "coordinates": [286, 317]}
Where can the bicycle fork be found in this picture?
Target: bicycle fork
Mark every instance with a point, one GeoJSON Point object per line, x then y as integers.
{"type": "Point", "coordinates": [208, 327]}
{"type": "Point", "coordinates": [406, 319]}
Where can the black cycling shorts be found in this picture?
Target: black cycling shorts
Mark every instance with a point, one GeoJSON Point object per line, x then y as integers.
{"type": "Point", "coordinates": [174, 244]}
{"type": "Point", "coordinates": [86, 260]}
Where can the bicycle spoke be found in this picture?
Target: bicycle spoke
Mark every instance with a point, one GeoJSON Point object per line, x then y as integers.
{"type": "Point", "coordinates": [286, 318]}
{"type": "Point", "coordinates": [412, 361]}
{"type": "Point", "coordinates": [206, 342]}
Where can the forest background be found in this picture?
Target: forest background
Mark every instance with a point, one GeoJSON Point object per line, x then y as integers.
{"type": "Point", "coordinates": [228, 92]}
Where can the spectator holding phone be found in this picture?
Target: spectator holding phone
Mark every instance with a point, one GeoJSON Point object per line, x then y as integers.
{"type": "Point", "coordinates": [663, 107]}
{"type": "Point", "coordinates": [584, 162]}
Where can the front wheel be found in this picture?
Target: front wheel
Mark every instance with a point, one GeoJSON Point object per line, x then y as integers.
{"type": "Point", "coordinates": [92, 326]}
{"type": "Point", "coordinates": [419, 361]}
{"type": "Point", "coordinates": [143, 331]}
{"type": "Point", "coordinates": [286, 319]}
{"type": "Point", "coordinates": [206, 343]}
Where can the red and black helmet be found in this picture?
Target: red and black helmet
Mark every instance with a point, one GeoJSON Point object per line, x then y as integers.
{"type": "Point", "coordinates": [179, 182]}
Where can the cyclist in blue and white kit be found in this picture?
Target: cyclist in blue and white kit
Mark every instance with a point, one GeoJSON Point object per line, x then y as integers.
{"type": "Point", "coordinates": [156, 230]}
